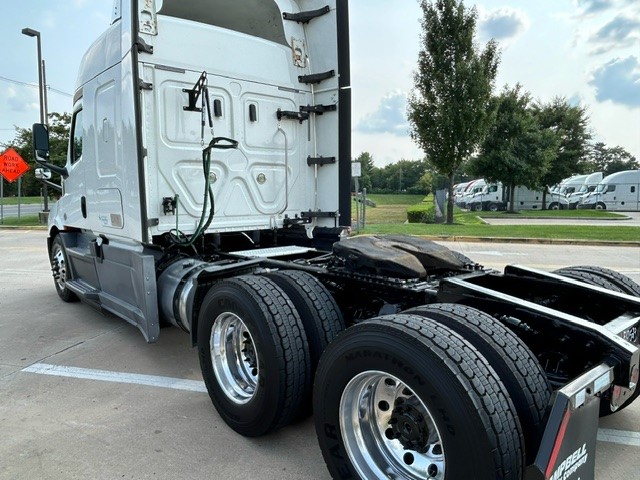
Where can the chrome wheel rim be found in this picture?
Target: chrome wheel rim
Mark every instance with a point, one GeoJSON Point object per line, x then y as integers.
{"type": "Point", "coordinates": [234, 358]}
{"type": "Point", "coordinates": [59, 267]}
{"type": "Point", "coordinates": [388, 431]}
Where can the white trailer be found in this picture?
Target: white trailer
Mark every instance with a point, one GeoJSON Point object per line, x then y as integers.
{"type": "Point", "coordinates": [494, 197]}
{"type": "Point", "coordinates": [207, 187]}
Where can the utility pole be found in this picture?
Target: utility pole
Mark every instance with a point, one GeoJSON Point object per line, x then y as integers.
{"type": "Point", "coordinates": [44, 116]}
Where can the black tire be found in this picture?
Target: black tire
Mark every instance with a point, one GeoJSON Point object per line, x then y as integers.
{"type": "Point", "coordinates": [555, 206]}
{"type": "Point", "coordinates": [476, 207]}
{"type": "Point", "coordinates": [515, 364]}
{"type": "Point", "coordinates": [600, 206]}
{"type": "Point", "coordinates": [601, 277]}
{"type": "Point", "coordinates": [493, 207]}
{"type": "Point", "coordinates": [431, 377]}
{"type": "Point", "coordinates": [616, 282]}
{"type": "Point", "coordinates": [266, 356]}
{"type": "Point", "coordinates": [60, 269]}
{"type": "Point", "coordinates": [319, 313]}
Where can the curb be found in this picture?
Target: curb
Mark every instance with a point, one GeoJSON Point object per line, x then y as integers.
{"type": "Point", "coordinates": [23, 227]}
{"type": "Point", "coordinates": [539, 241]}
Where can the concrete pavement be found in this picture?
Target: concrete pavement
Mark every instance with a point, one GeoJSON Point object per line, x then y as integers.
{"type": "Point", "coordinates": [69, 427]}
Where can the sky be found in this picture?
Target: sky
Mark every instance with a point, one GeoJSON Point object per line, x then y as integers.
{"type": "Point", "coordinates": [587, 51]}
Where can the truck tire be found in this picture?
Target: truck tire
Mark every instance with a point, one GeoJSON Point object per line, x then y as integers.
{"type": "Point", "coordinates": [493, 207]}
{"type": "Point", "coordinates": [253, 354]}
{"type": "Point", "coordinates": [319, 313]}
{"type": "Point", "coordinates": [397, 395]}
{"type": "Point", "coordinates": [60, 269]}
{"type": "Point", "coordinates": [555, 206]}
{"type": "Point", "coordinates": [475, 207]}
{"type": "Point", "coordinates": [515, 364]}
{"type": "Point", "coordinates": [611, 280]}
{"type": "Point", "coordinates": [601, 277]}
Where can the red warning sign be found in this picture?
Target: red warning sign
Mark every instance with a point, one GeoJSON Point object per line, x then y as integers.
{"type": "Point", "coordinates": [12, 166]}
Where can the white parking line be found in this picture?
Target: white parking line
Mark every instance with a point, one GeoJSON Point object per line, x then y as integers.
{"type": "Point", "coordinates": [117, 377]}
{"type": "Point", "coordinates": [604, 434]}
{"type": "Point", "coordinates": [622, 437]}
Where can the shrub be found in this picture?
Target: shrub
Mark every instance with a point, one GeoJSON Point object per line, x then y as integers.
{"type": "Point", "coordinates": [422, 213]}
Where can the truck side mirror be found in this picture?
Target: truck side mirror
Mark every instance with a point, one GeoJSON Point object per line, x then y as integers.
{"type": "Point", "coordinates": [41, 149]}
{"type": "Point", "coordinates": [41, 141]}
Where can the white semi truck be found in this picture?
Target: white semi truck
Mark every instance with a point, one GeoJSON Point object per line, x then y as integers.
{"type": "Point", "coordinates": [494, 197]}
{"type": "Point", "coordinates": [207, 187]}
{"type": "Point", "coordinates": [619, 191]}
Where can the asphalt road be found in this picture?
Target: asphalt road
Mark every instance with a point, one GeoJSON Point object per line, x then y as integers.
{"type": "Point", "coordinates": [85, 422]}
{"type": "Point", "coordinates": [29, 209]}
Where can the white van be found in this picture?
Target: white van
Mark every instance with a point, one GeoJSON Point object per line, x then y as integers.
{"type": "Point", "coordinates": [618, 191]}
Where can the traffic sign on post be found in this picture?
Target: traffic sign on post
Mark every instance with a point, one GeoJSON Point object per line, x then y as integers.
{"type": "Point", "coordinates": [12, 166]}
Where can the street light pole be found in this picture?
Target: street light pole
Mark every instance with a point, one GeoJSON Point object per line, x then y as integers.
{"type": "Point", "coordinates": [30, 32]}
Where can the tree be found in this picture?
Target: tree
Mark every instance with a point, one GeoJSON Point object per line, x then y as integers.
{"type": "Point", "coordinates": [59, 127]}
{"type": "Point", "coordinates": [516, 150]}
{"type": "Point", "coordinates": [449, 110]}
{"type": "Point", "coordinates": [569, 124]}
{"type": "Point", "coordinates": [366, 166]}
{"type": "Point", "coordinates": [610, 160]}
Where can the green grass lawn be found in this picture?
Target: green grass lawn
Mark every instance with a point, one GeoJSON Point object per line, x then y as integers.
{"type": "Point", "coordinates": [389, 209]}
{"type": "Point", "coordinates": [25, 221]}
{"type": "Point", "coordinates": [23, 200]}
{"type": "Point", "coordinates": [390, 216]}
{"type": "Point", "coordinates": [565, 232]}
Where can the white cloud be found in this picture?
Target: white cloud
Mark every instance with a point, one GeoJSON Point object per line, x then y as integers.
{"type": "Point", "coordinates": [390, 116]}
{"type": "Point", "coordinates": [588, 7]}
{"type": "Point", "coordinates": [618, 81]}
{"type": "Point", "coordinates": [620, 32]}
{"type": "Point", "coordinates": [22, 101]}
{"type": "Point", "coordinates": [502, 24]}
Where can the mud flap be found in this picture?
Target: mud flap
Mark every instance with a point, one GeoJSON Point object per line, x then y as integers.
{"type": "Point", "coordinates": [568, 447]}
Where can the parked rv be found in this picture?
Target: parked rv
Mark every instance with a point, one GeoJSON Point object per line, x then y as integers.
{"type": "Point", "coordinates": [618, 191]}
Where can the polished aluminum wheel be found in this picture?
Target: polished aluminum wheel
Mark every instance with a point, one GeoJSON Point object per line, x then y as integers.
{"type": "Point", "coordinates": [234, 358]}
{"type": "Point", "coordinates": [388, 431]}
{"type": "Point", "coordinates": [59, 266]}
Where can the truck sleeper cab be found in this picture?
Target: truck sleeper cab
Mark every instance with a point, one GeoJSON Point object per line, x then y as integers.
{"type": "Point", "coordinates": [207, 187]}
{"type": "Point", "coordinates": [619, 191]}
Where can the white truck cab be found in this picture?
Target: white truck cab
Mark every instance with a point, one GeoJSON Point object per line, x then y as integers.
{"type": "Point", "coordinates": [589, 185]}
{"type": "Point", "coordinates": [618, 191]}
{"type": "Point", "coordinates": [148, 84]}
{"type": "Point", "coordinates": [473, 188]}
